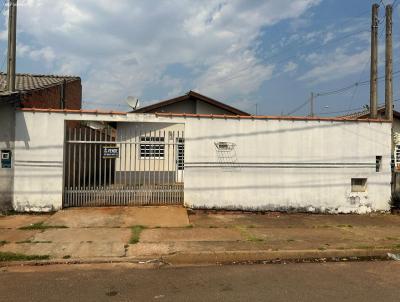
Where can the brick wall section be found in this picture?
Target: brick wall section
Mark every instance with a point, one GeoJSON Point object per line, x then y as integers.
{"type": "Point", "coordinates": [51, 97]}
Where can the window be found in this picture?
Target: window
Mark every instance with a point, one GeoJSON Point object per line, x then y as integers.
{"type": "Point", "coordinates": [180, 160]}
{"type": "Point", "coordinates": [152, 147]}
{"type": "Point", "coordinates": [378, 163]}
{"type": "Point", "coordinates": [397, 157]}
{"type": "Point", "coordinates": [358, 184]}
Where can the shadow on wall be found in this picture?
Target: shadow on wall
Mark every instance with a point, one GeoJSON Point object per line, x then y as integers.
{"type": "Point", "coordinates": [21, 132]}
{"type": "Point", "coordinates": [296, 129]}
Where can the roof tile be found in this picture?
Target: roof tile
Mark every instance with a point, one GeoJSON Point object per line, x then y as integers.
{"type": "Point", "coordinates": [26, 82]}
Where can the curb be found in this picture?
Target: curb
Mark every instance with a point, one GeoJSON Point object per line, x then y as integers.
{"type": "Point", "coordinates": [231, 257]}
{"type": "Point", "coordinates": [224, 257]}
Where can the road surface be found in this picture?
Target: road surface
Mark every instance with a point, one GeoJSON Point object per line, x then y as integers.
{"type": "Point", "coordinates": [356, 281]}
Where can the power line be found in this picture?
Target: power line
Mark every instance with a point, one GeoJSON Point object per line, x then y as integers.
{"type": "Point", "coordinates": [351, 110]}
{"type": "Point", "coordinates": [340, 90]}
{"type": "Point", "coordinates": [346, 88]}
{"type": "Point", "coordinates": [287, 58]}
{"type": "Point", "coordinates": [3, 6]}
{"type": "Point", "coordinates": [298, 108]}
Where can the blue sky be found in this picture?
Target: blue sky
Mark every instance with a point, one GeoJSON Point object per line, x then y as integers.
{"type": "Point", "coordinates": [272, 53]}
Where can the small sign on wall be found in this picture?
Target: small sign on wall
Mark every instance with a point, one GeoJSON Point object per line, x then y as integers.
{"type": "Point", "coordinates": [6, 159]}
{"type": "Point", "coordinates": [110, 152]}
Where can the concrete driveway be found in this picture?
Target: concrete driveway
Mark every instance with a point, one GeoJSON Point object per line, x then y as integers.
{"type": "Point", "coordinates": [120, 217]}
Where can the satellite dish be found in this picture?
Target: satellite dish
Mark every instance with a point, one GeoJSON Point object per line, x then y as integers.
{"type": "Point", "coordinates": [132, 102]}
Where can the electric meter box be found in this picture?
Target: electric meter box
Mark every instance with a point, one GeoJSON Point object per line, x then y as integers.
{"type": "Point", "coordinates": [6, 159]}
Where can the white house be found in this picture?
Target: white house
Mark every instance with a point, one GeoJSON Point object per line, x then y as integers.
{"type": "Point", "coordinates": [213, 161]}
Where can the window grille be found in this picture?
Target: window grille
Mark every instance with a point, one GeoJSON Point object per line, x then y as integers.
{"type": "Point", "coordinates": [397, 156]}
{"type": "Point", "coordinates": [152, 147]}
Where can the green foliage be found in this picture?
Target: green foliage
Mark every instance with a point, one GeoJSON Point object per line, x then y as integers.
{"type": "Point", "coordinates": [42, 226]}
{"type": "Point", "coordinates": [7, 256]}
{"type": "Point", "coordinates": [136, 230]}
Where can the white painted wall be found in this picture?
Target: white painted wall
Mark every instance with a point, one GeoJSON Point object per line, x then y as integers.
{"type": "Point", "coordinates": [38, 171]}
{"type": "Point", "coordinates": [283, 164]}
{"type": "Point", "coordinates": [280, 172]}
{"type": "Point", "coordinates": [38, 156]}
{"type": "Point", "coordinates": [7, 125]}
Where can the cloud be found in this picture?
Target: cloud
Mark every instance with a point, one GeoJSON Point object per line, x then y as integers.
{"type": "Point", "coordinates": [335, 65]}
{"type": "Point", "coordinates": [125, 47]}
{"type": "Point", "coordinates": [290, 66]}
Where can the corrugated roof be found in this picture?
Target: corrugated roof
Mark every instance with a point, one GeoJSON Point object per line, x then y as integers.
{"type": "Point", "coordinates": [26, 82]}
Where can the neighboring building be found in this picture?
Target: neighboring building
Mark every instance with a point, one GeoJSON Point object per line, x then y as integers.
{"type": "Point", "coordinates": [32, 91]}
{"type": "Point", "coordinates": [192, 103]}
{"type": "Point", "coordinates": [396, 128]}
{"type": "Point", "coordinates": [43, 91]}
{"type": "Point", "coordinates": [395, 139]}
{"type": "Point", "coordinates": [330, 165]}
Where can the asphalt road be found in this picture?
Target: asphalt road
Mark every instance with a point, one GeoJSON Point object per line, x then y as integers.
{"type": "Point", "coordinates": [362, 281]}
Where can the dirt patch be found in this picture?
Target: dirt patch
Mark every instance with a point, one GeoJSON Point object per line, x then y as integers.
{"type": "Point", "coordinates": [17, 221]}
{"type": "Point", "coordinates": [16, 235]}
{"type": "Point", "coordinates": [191, 234]}
{"type": "Point", "coordinates": [163, 216]}
{"type": "Point", "coordinates": [288, 220]}
{"type": "Point", "coordinates": [87, 235]}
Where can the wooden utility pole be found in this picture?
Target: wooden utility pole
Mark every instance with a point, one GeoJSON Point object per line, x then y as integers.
{"type": "Point", "coordinates": [12, 42]}
{"type": "Point", "coordinates": [389, 65]}
{"type": "Point", "coordinates": [374, 62]}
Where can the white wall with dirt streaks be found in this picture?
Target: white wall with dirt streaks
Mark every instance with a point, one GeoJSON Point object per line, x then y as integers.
{"type": "Point", "coordinates": [301, 165]}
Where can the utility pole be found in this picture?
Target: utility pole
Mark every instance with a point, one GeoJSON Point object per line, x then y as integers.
{"type": "Point", "coordinates": [389, 65]}
{"type": "Point", "coordinates": [12, 42]}
{"type": "Point", "coordinates": [312, 97]}
{"type": "Point", "coordinates": [374, 62]}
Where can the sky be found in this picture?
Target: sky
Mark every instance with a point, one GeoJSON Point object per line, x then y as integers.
{"type": "Point", "coordinates": [261, 56]}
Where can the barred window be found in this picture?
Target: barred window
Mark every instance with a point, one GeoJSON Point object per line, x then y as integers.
{"type": "Point", "coordinates": [152, 147]}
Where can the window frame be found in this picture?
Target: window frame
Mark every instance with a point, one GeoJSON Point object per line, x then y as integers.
{"type": "Point", "coordinates": [361, 187]}
{"type": "Point", "coordinates": [154, 150]}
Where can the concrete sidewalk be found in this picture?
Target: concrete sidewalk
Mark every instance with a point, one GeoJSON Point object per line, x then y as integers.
{"type": "Point", "coordinates": [169, 235]}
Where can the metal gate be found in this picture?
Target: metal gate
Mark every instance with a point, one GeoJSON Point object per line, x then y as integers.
{"type": "Point", "coordinates": [121, 167]}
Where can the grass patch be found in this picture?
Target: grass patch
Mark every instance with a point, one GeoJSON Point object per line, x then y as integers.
{"type": "Point", "coordinates": [344, 226]}
{"type": "Point", "coordinates": [397, 246]}
{"type": "Point", "coordinates": [7, 256]}
{"type": "Point", "coordinates": [290, 240]}
{"type": "Point", "coordinates": [31, 241]}
{"type": "Point", "coordinates": [254, 239]}
{"type": "Point", "coordinates": [136, 230]}
{"type": "Point", "coordinates": [3, 242]}
{"type": "Point", "coordinates": [42, 226]}
{"type": "Point", "coordinates": [212, 226]}
{"type": "Point", "coordinates": [322, 226]}
{"type": "Point", "coordinates": [391, 238]}
{"type": "Point", "coordinates": [189, 226]}
{"type": "Point", "coordinates": [247, 235]}
{"type": "Point", "coordinates": [322, 248]}
{"type": "Point", "coordinates": [67, 257]}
